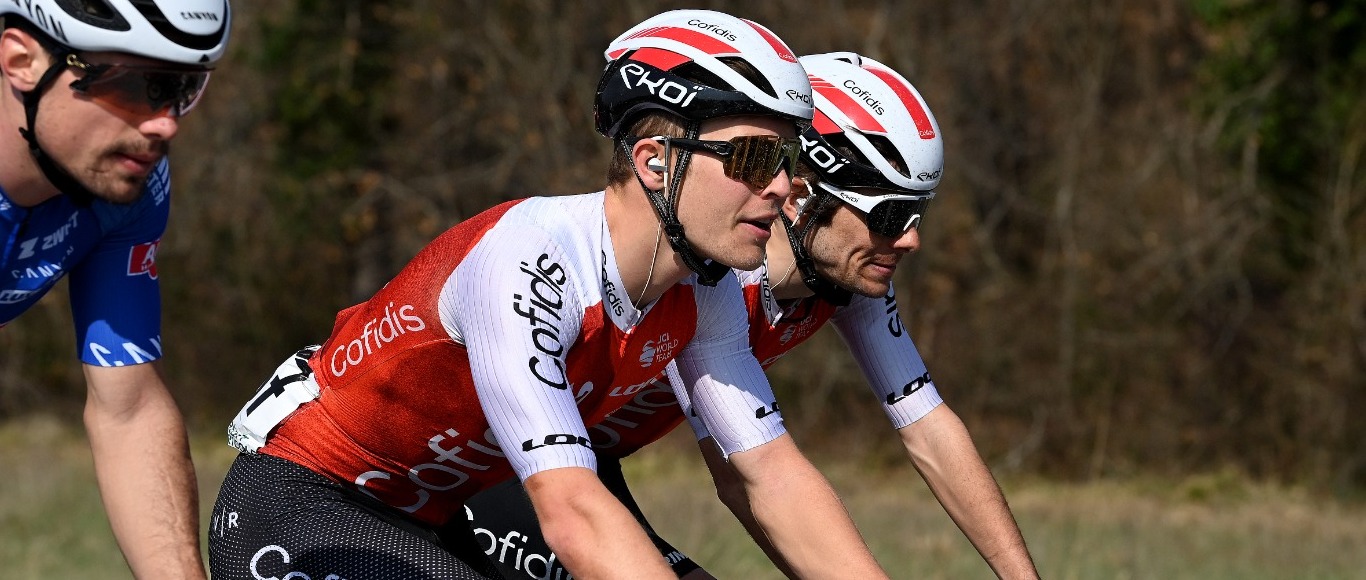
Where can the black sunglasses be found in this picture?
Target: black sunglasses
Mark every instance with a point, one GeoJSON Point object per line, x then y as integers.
{"type": "Point", "coordinates": [142, 90]}
{"type": "Point", "coordinates": [889, 215]}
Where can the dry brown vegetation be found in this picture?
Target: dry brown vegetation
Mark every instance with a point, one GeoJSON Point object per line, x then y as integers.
{"type": "Point", "coordinates": [1122, 273]}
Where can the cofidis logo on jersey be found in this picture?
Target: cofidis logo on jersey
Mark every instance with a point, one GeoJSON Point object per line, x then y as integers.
{"type": "Point", "coordinates": [142, 259]}
{"type": "Point", "coordinates": [377, 332]}
{"type": "Point", "coordinates": [540, 305]}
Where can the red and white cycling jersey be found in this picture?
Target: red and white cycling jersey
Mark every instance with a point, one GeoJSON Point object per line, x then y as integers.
{"type": "Point", "coordinates": [870, 327]}
{"type": "Point", "coordinates": [494, 347]}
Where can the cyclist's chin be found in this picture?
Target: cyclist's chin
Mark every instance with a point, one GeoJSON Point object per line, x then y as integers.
{"type": "Point", "coordinates": [744, 256]}
{"type": "Point", "coordinates": [122, 190]}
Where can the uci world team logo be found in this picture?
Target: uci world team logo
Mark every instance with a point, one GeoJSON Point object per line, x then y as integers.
{"type": "Point", "coordinates": [142, 259]}
{"type": "Point", "coordinates": [659, 349]}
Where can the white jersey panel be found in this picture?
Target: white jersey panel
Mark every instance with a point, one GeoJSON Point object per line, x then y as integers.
{"type": "Point", "coordinates": [518, 354]}
{"type": "Point", "coordinates": [722, 382]}
{"type": "Point", "coordinates": [880, 343]}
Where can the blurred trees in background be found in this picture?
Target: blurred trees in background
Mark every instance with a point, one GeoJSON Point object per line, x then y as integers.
{"type": "Point", "coordinates": [1148, 253]}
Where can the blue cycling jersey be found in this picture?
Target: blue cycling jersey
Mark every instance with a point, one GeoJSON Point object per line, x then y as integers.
{"type": "Point", "coordinates": [110, 252]}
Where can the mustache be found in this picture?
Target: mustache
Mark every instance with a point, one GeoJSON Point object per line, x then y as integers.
{"type": "Point", "coordinates": [140, 149]}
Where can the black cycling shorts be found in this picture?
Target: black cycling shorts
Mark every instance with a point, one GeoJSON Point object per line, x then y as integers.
{"type": "Point", "coordinates": [506, 528]}
{"type": "Point", "coordinates": [275, 519]}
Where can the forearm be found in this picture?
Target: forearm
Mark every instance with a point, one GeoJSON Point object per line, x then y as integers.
{"type": "Point", "coordinates": [800, 514]}
{"type": "Point", "coordinates": [942, 451]}
{"type": "Point", "coordinates": [592, 533]}
{"type": "Point", "coordinates": [146, 480]}
{"type": "Point", "coordinates": [731, 492]}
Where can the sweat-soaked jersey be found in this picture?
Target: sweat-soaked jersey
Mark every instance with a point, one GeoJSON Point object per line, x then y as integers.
{"type": "Point", "coordinates": [109, 250]}
{"type": "Point", "coordinates": [870, 327]}
{"type": "Point", "coordinates": [493, 348]}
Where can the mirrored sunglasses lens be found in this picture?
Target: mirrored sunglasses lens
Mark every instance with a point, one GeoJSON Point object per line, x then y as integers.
{"type": "Point", "coordinates": [748, 159]}
{"type": "Point", "coordinates": [756, 159]}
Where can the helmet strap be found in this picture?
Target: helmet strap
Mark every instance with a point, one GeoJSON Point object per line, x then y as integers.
{"type": "Point", "coordinates": [665, 204]}
{"type": "Point", "coordinates": [822, 288]}
{"type": "Point", "coordinates": [59, 177]}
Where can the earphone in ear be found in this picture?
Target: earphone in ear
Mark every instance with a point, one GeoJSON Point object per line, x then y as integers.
{"type": "Point", "coordinates": [655, 165]}
{"type": "Point", "coordinates": [801, 204]}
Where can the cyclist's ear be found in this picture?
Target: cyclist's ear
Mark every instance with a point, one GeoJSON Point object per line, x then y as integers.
{"type": "Point", "coordinates": [22, 59]}
{"type": "Point", "coordinates": [647, 156]}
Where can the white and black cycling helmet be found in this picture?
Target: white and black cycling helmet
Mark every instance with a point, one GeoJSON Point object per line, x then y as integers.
{"type": "Point", "coordinates": [186, 32]}
{"type": "Point", "coordinates": [873, 144]}
{"type": "Point", "coordinates": [184, 38]}
{"type": "Point", "coordinates": [688, 63]}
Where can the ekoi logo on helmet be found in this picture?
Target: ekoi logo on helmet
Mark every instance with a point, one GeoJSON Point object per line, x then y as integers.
{"type": "Point", "coordinates": [142, 259]}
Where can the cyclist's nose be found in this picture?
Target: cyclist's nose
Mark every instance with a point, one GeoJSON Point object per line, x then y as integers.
{"type": "Point", "coordinates": [161, 127]}
{"type": "Point", "coordinates": [780, 186]}
{"type": "Point", "coordinates": [908, 241]}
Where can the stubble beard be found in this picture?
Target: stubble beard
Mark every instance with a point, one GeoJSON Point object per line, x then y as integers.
{"type": "Point", "coordinates": [107, 181]}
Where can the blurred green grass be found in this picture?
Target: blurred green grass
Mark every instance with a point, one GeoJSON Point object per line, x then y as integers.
{"type": "Point", "coordinates": [1209, 526]}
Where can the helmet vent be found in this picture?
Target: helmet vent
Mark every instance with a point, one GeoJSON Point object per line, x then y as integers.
{"type": "Point", "coordinates": [889, 152]}
{"type": "Point", "coordinates": [95, 13]}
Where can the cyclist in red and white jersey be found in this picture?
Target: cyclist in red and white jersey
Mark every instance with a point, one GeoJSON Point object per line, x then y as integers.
{"type": "Point", "coordinates": [488, 355]}
{"type": "Point", "coordinates": [92, 92]}
{"type": "Point", "coordinates": [871, 160]}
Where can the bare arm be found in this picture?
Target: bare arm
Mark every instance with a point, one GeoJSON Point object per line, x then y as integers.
{"type": "Point", "coordinates": [943, 453]}
{"type": "Point", "coordinates": [731, 491]}
{"type": "Point", "coordinates": [589, 529]}
{"type": "Point", "coordinates": [142, 463]}
{"type": "Point", "coordinates": [792, 512]}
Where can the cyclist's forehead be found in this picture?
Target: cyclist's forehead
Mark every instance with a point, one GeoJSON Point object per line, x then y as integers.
{"type": "Point", "coordinates": [723, 128]}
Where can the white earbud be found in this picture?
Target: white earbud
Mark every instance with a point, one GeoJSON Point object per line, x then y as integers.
{"type": "Point", "coordinates": [655, 165]}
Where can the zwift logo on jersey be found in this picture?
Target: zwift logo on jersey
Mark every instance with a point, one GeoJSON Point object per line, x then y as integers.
{"type": "Point", "coordinates": [142, 259]}
{"type": "Point", "coordinates": [658, 350]}
{"type": "Point", "coordinates": [541, 306]}
{"type": "Point", "coordinates": [376, 333]}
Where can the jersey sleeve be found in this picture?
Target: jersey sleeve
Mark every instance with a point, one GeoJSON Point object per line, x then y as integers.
{"type": "Point", "coordinates": [115, 296]}
{"type": "Point", "coordinates": [883, 348]}
{"type": "Point", "coordinates": [518, 309]}
{"type": "Point", "coordinates": [720, 377]}
{"type": "Point", "coordinates": [675, 381]}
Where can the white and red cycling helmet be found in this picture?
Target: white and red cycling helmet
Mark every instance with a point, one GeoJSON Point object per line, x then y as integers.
{"type": "Point", "coordinates": [873, 144]}
{"type": "Point", "coordinates": [689, 63]}
{"type": "Point", "coordinates": [643, 73]}
{"type": "Point", "coordinates": [185, 32]}
{"type": "Point", "coordinates": [867, 108]}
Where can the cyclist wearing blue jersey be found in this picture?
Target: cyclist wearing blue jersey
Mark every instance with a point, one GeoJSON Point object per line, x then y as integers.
{"type": "Point", "coordinates": [94, 92]}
